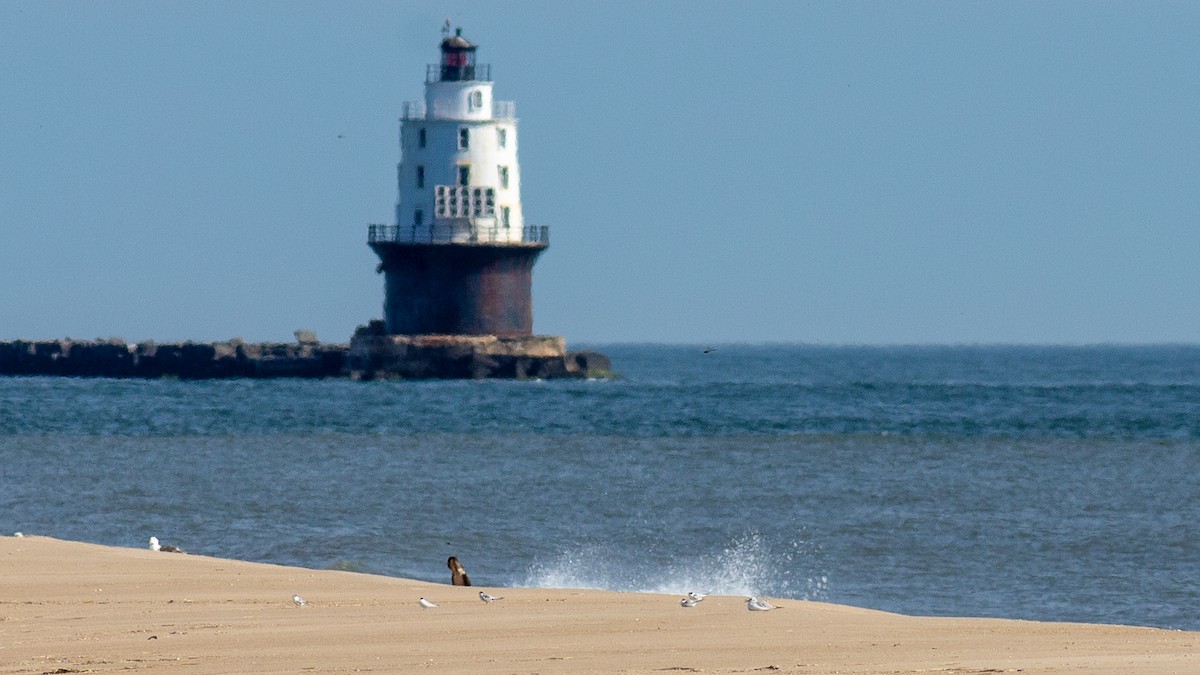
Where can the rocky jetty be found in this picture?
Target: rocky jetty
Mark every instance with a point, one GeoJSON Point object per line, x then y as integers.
{"type": "Point", "coordinates": [186, 360]}
{"type": "Point", "coordinates": [370, 355]}
{"type": "Point", "coordinates": [375, 355]}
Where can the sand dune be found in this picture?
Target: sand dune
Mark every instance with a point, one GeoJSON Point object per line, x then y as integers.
{"type": "Point", "coordinates": [68, 607]}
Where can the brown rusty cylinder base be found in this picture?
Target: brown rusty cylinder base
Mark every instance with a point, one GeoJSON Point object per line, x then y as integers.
{"type": "Point", "coordinates": [458, 289]}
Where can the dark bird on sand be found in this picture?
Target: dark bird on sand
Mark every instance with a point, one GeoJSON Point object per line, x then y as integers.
{"type": "Point", "coordinates": [458, 575]}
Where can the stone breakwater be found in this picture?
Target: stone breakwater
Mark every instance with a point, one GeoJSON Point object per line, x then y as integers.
{"type": "Point", "coordinates": [367, 357]}
{"type": "Point", "coordinates": [186, 360]}
{"type": "Point", "coordinates": [470, 357]}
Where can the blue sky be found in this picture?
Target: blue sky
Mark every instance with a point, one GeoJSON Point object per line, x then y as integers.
{"type": "Point", "coordinates": [823, 172]}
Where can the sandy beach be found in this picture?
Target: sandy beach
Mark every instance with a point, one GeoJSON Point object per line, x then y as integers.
{"type": "Point", "coordinates": [68, 607]}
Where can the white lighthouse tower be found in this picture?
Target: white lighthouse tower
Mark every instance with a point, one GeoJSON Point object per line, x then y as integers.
{"type": "Point", "coordinates": [459, 145]}
{"type": "Point", "coordinates": [459, 259]}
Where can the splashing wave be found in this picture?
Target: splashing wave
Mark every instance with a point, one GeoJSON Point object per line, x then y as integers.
{"type": "Point", "coordinates": [749, 565]}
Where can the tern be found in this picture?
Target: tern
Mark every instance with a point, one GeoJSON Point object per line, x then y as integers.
{"type": "Point", "coordinates": [756, 605]}
{"type": "Point", "coordinates": [425, 603]}
{"type": "Point", "coordinates": [300, 602]}
{"type": "Point", "coordinates": [489, 598]}
{"type": "Point", "coordinates": [687, 602]}
{"type": "Point", "coordinates": [696, 596]}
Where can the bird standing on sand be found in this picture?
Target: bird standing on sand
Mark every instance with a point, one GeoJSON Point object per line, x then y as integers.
{"type": "Point", "coordinates": [697, 597]}
{"type": "Point", "coordinates": [300, 602]}
{"type": "Point", "coordinates": [756, 605]}
{"type": "Point", "coordinates": [458, 575]}
{"type": "Point", "coordinates": [489, 598]}
{"type": "Point", "coordinates": [687, 602]}
{"type": "Point", "coordinates": [425, 603]}
{"type": "Point", "coordinates": [165, 548]}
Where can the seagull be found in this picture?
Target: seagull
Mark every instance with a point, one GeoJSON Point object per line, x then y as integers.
{"type": "Point", "coordinates": [489, 598]}
{"type": "Point", "coordinates": [155, 546]}
{"type": "Point", "coordinates": [300, 602]}
{"type": "Point", "coordinates": [687, 602]}
{"type": "Point", "coordinates": [709, 350]}
{"type": "Point", "coordinates": [425, 603]}
{"type": "Point", "coordinates": [756, 605]}
{"type": "Point", "coordinates": [696, 597]}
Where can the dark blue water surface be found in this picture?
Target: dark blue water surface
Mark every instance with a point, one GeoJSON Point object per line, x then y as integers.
{"type": "Point", "coordinates": [1053, 483]}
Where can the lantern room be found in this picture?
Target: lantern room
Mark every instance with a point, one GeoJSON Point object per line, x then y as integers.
{"type": "Point", "coordinates": [458, 58]}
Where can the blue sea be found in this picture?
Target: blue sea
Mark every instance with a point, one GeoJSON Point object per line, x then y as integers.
{"type": "Point", "coordinates": [1047, 483]}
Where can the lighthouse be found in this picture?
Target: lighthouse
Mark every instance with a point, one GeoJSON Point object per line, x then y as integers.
{"type": "Point", "coordinates": [459, 258]}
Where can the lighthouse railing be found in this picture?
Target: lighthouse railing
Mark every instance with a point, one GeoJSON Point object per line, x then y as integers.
{"type": "Point", "coordinates": [456, 233]}
{"type": "Point", "coordinates": [414, 110]}
{"type": "Point", "coordinates": [478, 72]}
{"type": "Point", "coordinates": [504, 110]}
{"type": "Point", "coordinates": [537, 234]}
{"type": "Point", "coordinates": [417, 110]}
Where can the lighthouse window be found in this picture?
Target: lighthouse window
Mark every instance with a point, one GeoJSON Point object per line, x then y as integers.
{"type": "Point", "coordinates": [477, 203]}
{"type": "Point", "coordinates": [464, 175]}
{"type": "Point", "coordinates": [463, 202]}
{"type": "Point", "coordinates": [504, 177]}
{"type": "Point", "coordinates": [502, 137]}
{"type": "Point", "coordinates": [418, 217]}
{"type": "Point", "coordinates": [504, 216]}
{"type": "Point", "coordinates": [476, 100]}
{"type": "Point", "coordinates": [421, 138]}
{"type": "Point", "coordinates": [420, 178]}
{"type": "Point", "coordinates": [464, 138]}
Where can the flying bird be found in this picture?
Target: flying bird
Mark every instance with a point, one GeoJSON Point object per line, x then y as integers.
{"type": "Point", "coordinates": [426, 604]}
{"type": "Point", "coordinates": [489, 598]}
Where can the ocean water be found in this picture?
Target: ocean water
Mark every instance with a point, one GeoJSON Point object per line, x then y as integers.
{"type": "Point", "coordinates": [1048, 483]}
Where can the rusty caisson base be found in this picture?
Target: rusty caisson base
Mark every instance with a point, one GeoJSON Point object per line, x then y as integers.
{"type": "Point", "coordinates": [458, 289]}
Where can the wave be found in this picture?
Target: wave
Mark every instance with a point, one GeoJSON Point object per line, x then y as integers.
{"type": "Point", "coordinates": [749, 565]}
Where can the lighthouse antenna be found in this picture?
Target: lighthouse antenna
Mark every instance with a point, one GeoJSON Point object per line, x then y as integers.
{"type": "Point", "coordinates": [446, 28]}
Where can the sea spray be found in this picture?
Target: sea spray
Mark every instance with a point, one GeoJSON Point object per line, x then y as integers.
{"type": "Point", "coordinates": [748, 565]}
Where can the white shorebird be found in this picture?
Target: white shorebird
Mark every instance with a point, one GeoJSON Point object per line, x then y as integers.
{"type": "Point", "coordinates": [489, 598]}
{"type": "Point", "coordinates": [756, 605]}
{"type": "Point", "coordinates": [692, 595]}
{"type": "Point", "coordinates": [300, 602]}
{"type": "Point", "coordinates": [425, 603]}
{"type": "Point", "coordinates": [165, 548]}
{"type": "Point", "coordinates": [687, 602]}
